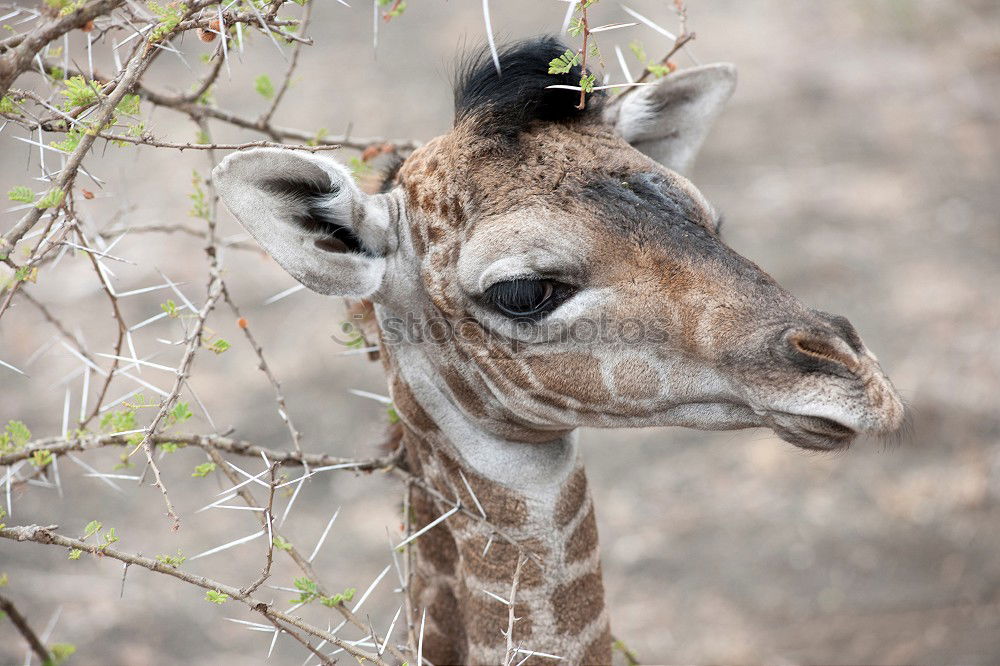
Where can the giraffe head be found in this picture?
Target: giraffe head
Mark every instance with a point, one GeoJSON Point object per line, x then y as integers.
{"type": "Point", "coordinates": [548, 267]}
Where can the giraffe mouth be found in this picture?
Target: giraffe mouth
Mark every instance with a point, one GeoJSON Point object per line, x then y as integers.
{"type": "Point", "coordinates": [816, 433]}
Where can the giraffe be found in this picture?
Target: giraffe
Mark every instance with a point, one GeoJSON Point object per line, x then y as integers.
{"type": "Point", "coordinates": [539, 268]}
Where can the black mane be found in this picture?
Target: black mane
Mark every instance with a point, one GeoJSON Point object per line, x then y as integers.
{"type": "Point", "coordinates": [508, 103]}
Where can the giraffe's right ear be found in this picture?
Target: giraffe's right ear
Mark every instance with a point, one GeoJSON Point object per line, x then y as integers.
{"type": "Point", "coordinates": [307, 212]}
{"type": "Point", "coordinates": [668, 120]}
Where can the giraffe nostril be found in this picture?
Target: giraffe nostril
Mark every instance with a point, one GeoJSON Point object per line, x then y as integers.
{"type": "Point", "coordinates": [819, 351]}
{"type": "Point", "coordinates": [843, 328]}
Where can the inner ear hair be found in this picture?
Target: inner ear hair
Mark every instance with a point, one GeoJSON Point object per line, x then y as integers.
{"type": "Point", "coordinates": [310, 200]}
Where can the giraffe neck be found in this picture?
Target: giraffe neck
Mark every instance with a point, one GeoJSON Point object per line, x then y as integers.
{"type": "Point", "coordinates": [538, 512]}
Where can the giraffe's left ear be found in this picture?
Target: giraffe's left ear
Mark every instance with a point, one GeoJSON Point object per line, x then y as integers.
{"type": "Point", "coordinates": [669, 120]}
{"type": "Point", "coordinates": [308, 213]}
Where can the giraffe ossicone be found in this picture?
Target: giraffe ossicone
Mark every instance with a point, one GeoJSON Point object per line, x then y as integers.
{"type": "Point", "coordinates": [574, 278]}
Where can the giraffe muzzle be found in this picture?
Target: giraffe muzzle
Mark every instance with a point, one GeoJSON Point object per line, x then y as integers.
{"type": "Point", "coordinates": [833, 387]}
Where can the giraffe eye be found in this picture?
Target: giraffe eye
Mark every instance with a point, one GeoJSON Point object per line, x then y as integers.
{"type": "Point", "coordinates": [527, 299]}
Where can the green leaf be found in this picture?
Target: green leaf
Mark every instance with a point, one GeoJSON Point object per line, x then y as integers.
{"type": "Point", "coordinates": [19, 433]}
{"type": "Point", "coordinates": [41, 458]}
{"type": "Point", "coordinates": [110, 537]}
{"type": "Point", "coordinates": [216, 596]}
{"type": "Point", "coordinates": [21, 193]}
{"type": "Point", "coordinates": [336, 599]}
{"type": "Point", "coordinates": [638, 51]}
{"type": "Point", "coordinates": [171, 447]}
{"type": "Point", "coordinates": [180, 413]}
{"type": "Point", "coordinates": [75, 554]}
{"type": "Point", "coordinates": [71, 141]}
{"type": "Point", "coordinates": [575, 27]}
{"type": "Point", "coordinates": [200, 207]}
{"type": "Point", "coordinates": [304, 584]}
{"type": "Point", "coordinates": [587, 82]}
{"type": "Point", "coordinates": [219, 346]}
{"type": "Point", "coordinates": [280, 542]}
{"type": "Point", "coordinates": [79, 92]}
{"type": "Point", "coordinates": [50, 199]}
{"type": "Point", "coordinates": [26, 274]}
{"type": "Point", "coordinates": [308, 588]}
{"type": "Point", "coordinates": [120, 421]}
{"type": "Point", "coordinates": [658, 71]}
{"type": "Point", "coordinates": [92, 528]}
{"type": "Point", "coordinates": [133, 130]}
{"type": "Point", "coordinates": [65, 7]}
{"type": "Point", "coordinates": [60, 652]}
{"type": "Point", "coordinates": [169, 307]}
{"type": "Point", "coordinates": [170, 16]}
{"type": "Point", "coordinates": [262, 84]}
{"type": "Point", "coordinates": [129, 105]}
{"type": "Point", "coordinates": [15, 436]}
{"type": "Point", "coordinates": [174, 561]}
{"type": "Point", "coordinates": [7, 105]}
{"type": "Point", "coordinates": [564, 63]}
{"type": "Point", "coordinates": [204, 469]}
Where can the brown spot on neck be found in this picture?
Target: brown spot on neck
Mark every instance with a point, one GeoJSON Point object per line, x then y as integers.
{"type": "Point", "coordinates": [576, 603]}
{"type": "Point", "coordinates": [571, 498]}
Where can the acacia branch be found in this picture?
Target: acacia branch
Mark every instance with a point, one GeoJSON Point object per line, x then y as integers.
{"type": "Point", "coordinates": [309, 646]}
{"type": "Point", "coordinates": [21, 51]}
{"type": "Point", "coordinates": [267, 520]}
{"type": "Point", "coordinates": [122, 331]}
{"type": "Point", "coordinates": [47, 535]}
{"type": "Point", "coordinates": [58, 446]}
{"type": "Point", "coordinates": [304, 565]}
{"type": "Point", "coordinates": [188, 104]}
{"type": "Point", "coordinates": [681, 42]}
{"type": "Point", "coordinates": [266, 369]}
{"type": "Point", "coordinates": [7, 606]}
{"type": "Point", "coordinates": [147, 139]}
{"type": "Point", "coordinates": [133, 71]}
{"type": "Point", "coordinates": [293, 63]}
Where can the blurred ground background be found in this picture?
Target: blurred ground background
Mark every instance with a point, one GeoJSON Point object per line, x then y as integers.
{"type": "Point", "coordinates": [857, 162]}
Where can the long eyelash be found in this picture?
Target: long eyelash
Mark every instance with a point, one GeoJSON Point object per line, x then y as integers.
{"type": "Point", "coordinates": [514, 291]}
{"type": "Point", "coordinates": [528, 299]}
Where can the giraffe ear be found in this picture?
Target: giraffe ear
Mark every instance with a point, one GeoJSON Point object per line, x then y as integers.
{"type": "Point", "coordinates": [307, 212]}
{"type": "Point", "coordinates": [669, 120]}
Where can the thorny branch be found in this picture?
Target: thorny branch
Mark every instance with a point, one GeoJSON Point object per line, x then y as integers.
{"type": "Point", "coordinates": [511, 605]}
{"type": "Point", "coordinates": [8, 607]}
{"type": "Point", "coordinates": [266, 369]}
{"type": "Point", "coordinates": [58, 446]}
{"type": "Point", "coordinates": [268, 520]}
{"type": "Point", "coordinates": [47, 535]}
{"type": "Point", "coordinates": [301, 562]}
{"type": "Point", "coordinates": [297, 636]}
{"type": "Point", "coordinates": [122, 330]}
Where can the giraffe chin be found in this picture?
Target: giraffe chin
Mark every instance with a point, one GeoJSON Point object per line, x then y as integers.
{"type": "Point", "coordinates": [815, 433]}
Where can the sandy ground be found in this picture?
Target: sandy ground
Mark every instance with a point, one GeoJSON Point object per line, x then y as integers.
{"type": "Point", "coordinates": [857, 163]}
